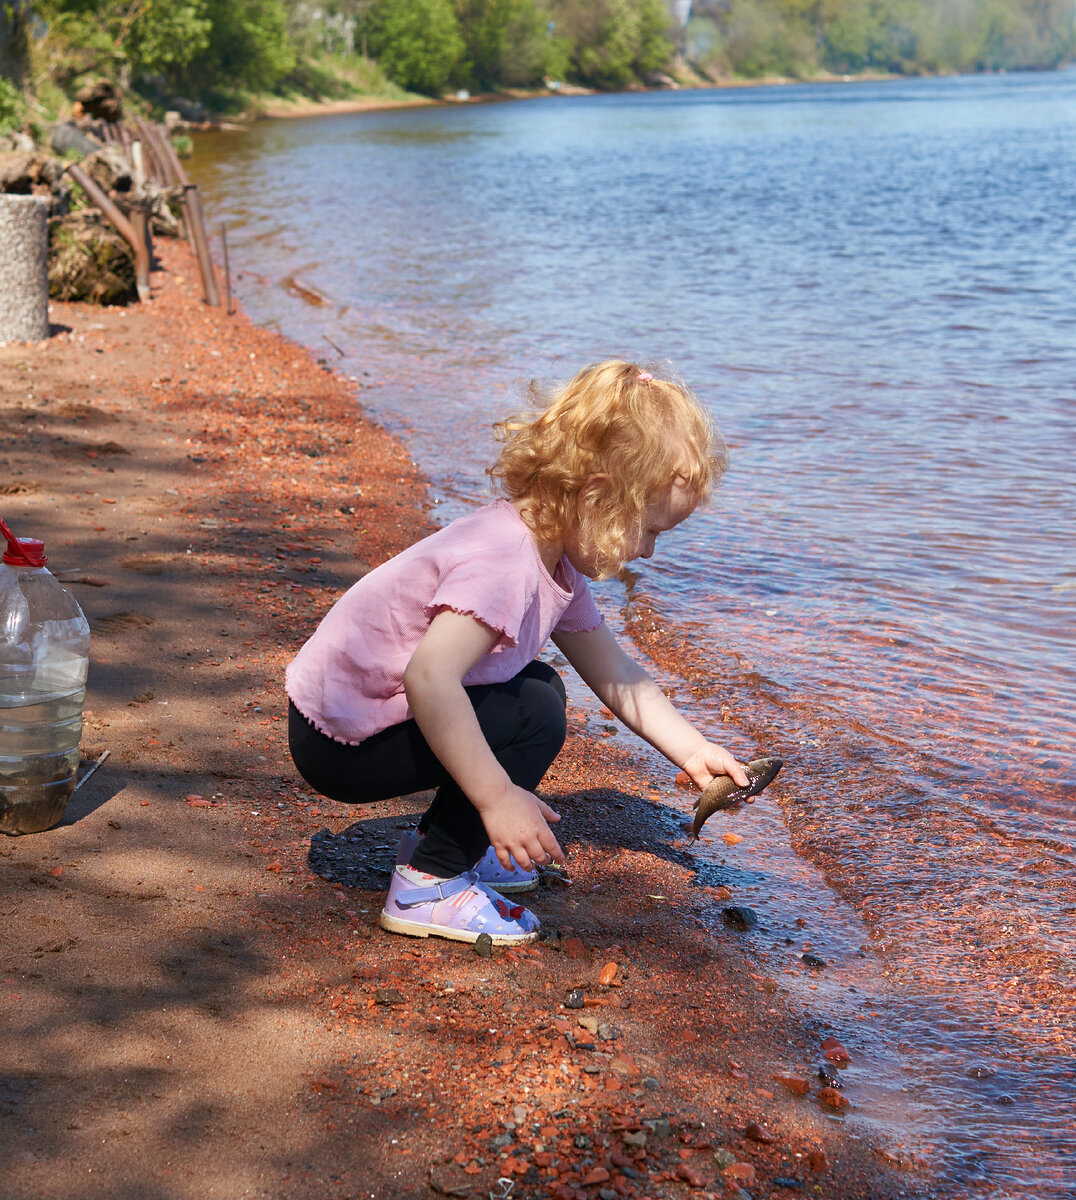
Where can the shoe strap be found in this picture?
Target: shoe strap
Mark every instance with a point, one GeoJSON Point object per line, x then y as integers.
{"type": "Point", "coordinates": [437, 891]}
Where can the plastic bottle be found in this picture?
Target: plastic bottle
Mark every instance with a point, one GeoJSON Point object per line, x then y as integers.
{"type": "Point", "coordinates": [44, 652]}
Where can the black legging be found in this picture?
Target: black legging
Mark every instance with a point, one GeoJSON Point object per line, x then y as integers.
{"type": "Point", "coordinates": [523, 721]}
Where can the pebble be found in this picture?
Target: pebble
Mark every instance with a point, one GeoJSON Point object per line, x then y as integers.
{"type": "Point", "coordinates": [590, 1024]}
{"type": "Point", "coordinates": [724, 1158]}
{"type": "Point", "coordinates": [796, 1084]}
{"type": "Point", "coordinates": [659, 1126]}
{"type": "Point", "coordinates": [608, 974]}
{"type": "Point", "coordinates": [740, 1172]}
{"type": "Point", "coordinates": [813, 961]}
{"type": "Point", "coordinates": [818, 1161]}
{"type": "Point", "coordinates": [832, 1098]}
{"type": "Point", "coordinates": [980, 1073]}
{"type": "Point", "coordinates": [483, 946]}
{"type": "Point", "coordinates": [388, 996]}
{"type": "Point", "coordinates": [758, 1133]}
{"type": "Point", "coordinates": [690, 1176]}
{"type": "Point", "coordinates": [785, 1181]}
{"type": "Point", "coordinates": [575, 998]}
{"type": "Point", "coordinates": [739, 916]}
{"type": "Point", "coordinates": [830, 1076]}
{"type": "Point", "coordinates": [637, 1139]}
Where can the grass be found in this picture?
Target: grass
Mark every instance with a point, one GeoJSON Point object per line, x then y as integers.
{"type": "Point", "coordinates": [320, 80]}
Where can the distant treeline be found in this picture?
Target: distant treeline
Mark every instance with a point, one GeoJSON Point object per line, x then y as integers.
{"type": "Point", "coordinates": [213, 48]}
{"type": "Point", "coordinates": [802, 37]}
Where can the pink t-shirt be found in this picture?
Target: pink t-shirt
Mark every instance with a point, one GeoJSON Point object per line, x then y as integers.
{"type": "Point", "coordinates": [348, 678]}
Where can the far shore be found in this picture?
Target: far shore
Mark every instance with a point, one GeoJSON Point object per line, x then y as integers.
{"type": "Point", "coordinates": [276, 108]}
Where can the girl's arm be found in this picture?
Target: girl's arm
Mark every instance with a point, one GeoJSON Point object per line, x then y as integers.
{"type": "Point", "coordinates": [515, 819]}
{"type": "Point", "coordinates": [623, 686]}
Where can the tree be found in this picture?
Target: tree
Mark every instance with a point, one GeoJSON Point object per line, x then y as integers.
{"type": "Point", "coordinates": [417, 42]}
{"type": "Point", "coordinates": [614, 41]}
{"type": "Point", "coordinates": [14, 40]}
{"type": "Point", "coordinates": [507, 42]}
{"type": "Point", "coordinates": [248, 46]}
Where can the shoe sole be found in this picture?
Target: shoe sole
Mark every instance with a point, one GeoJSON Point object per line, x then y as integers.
{"type": "Point", "coordinates": [511, 889]}
{"type": "Point", "coordinates": [417, 929]}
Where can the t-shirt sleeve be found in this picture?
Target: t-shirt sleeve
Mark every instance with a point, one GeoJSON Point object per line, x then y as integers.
{"type": "Point", "coordinates": [582, 613]}
{"type": "Point", "coordinates": [480, 586]}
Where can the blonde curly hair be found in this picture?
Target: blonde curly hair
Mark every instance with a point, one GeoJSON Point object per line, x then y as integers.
{"type": "Point", "coordinates": [635, 425]}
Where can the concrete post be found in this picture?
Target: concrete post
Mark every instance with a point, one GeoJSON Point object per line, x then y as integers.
{"type": "Point", "coordinates": [24, 269]}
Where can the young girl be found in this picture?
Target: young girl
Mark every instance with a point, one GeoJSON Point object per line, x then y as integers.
{"type": "Point", "coordinates": [424, 674]}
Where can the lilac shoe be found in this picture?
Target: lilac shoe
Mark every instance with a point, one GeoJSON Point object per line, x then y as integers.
{"type": "Point", "coordinates": [493, 875]}
{"type": "Point", "coordinates": [459, 909]}
{"type": "Point", "coordinates": [489, 868]}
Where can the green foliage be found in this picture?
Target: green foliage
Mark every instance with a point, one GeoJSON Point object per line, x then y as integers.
{"type": "Point", "coordinates": [168, 35]}
{"type": "Point", "coordinates": [507, 43]}
{"type": "Point", "coordinates": [187, 44]}
{"type": "Point", "coordinates": [12, 107]}
{"type": "Point", "coordinates": [247, 47]}
{"type": "Point", "coordinates": [803, 37]}
{"type": "Point", "coordinates": [614, 42]}
{"type": "Point", "coordinates": [758, 41]}
{"type": "Point", "coordinates": [417, 42]}
{"type": "Point", "coordinates": [222, 51]}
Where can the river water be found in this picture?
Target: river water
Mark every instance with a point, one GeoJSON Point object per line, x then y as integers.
{"type": "Point", "coordinates": [874, 287]}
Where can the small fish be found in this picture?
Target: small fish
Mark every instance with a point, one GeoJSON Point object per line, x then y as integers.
{"type": "Point", "coordinates": [723, 791]}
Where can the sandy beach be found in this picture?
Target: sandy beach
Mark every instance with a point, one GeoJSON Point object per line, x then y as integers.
{"type": "Point", "coordinates": [197, 999]}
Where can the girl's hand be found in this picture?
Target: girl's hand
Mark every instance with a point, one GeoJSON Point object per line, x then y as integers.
{"type": "Point", "coordinates": [713, 760]}
{"type": "Point", "coordinates": [517, 826]}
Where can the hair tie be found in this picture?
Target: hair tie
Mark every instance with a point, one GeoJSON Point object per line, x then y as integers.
{"type": "Point", "coordinates": [644, 377]}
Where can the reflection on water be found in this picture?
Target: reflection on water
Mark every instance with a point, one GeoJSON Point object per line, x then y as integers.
{"type": "Point", "coordinates": [872, 285]}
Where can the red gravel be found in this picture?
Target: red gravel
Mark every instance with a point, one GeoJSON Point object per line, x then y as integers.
{"type": "Point", "coordinates": [188, 1008]}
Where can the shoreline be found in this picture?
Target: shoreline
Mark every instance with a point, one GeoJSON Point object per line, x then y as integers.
{"type": "Point", "coordinates": [292, 110]}
{"type": "Point", "coordinates": [207, 489]}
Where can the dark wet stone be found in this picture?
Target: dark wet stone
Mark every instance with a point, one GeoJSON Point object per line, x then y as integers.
{"type": "Point", "coordinates": [739, 916]}
{"type": "Point", "coordinates": [1004, 1099]}
{"type": "Point", "coordinates": [786, 1181]}
{"type": "Point", "coordinates": [575, 998]}
{"type": "Point", "coordinates": [813, 961]}
{"type": "Point", "coordinates": [830, 1076]}
{"type": "Point", "coordinates": [388, 996]}
{"type": "Point", "coordinates": [980, 1073]}
{"type": "Point", "coordinates": [650, 1082]}
{"type": "Point", "coordinates": [483, 945]}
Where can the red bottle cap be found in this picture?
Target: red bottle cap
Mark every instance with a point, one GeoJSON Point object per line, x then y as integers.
{"type": "Point", "coordinates": [22, 552]}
